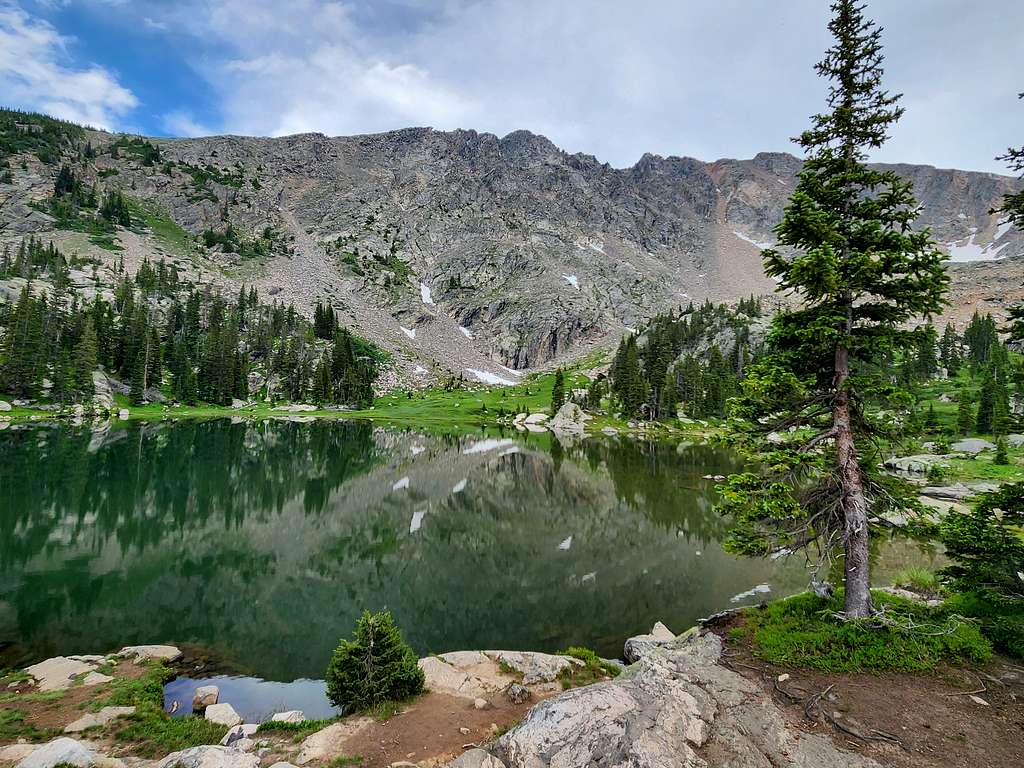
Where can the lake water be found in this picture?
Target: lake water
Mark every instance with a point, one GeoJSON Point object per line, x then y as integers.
{"type": "Point", "coordinates": [264, 541]}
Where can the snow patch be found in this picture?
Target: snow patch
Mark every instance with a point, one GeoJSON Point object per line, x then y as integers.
{"type": "Point", "coordinates": [489, 378]}
{"type": "Point", "coordinates": [425, 294]}
{"type": "Point", "coordinates": [417, 520]}
{"type": "Point", "coordinates": [507, 451]}
{"type": "Point", "coordinates": [484, 446]}
{"type": "Point", "coordinates": [572, 280]}
{"type": "Point", "coordinates": [466, 332]}
{"type": "Point", "coordinates": [400, 484]}
{"type": "Point", "coordinates": [752, 241]}
{"type": "Point", "coordinates": [967, 249]}
{"type": "Point", "coordinates": [410, 332]}
{"type": "Point", "coordinates": [565, 544]}
{"type": "Point", "coordinates": [460, 486]}
{"type": "Point", "coordinates": [760, 589]}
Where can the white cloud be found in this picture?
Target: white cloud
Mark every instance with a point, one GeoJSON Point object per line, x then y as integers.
{"type": "Point", "coordinates": [35, 74]}
{"type": "Point", "coordinates": [183, 124]}
{"type": "Point", "coordinates": [706, 78]}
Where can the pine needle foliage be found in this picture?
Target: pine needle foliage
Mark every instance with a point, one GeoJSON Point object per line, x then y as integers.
{"type": "Point", "coordinates": [375, 666]}
{"type": "Point", "coordinates": [863, 277]}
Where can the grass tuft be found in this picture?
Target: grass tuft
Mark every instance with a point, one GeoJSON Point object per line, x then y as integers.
{"type": "Point", "coordinates": [154, 733]}
{"type": "Point", "coordinates": [594, 670]}
{"type": "Point", "coordinates": [801, 631]}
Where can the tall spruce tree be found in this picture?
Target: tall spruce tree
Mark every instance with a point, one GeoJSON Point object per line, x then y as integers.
{"type": "Point", "coordinates": [558, 391]}
{"type": "Point", "coordinates": [964, 412]}
{"type": "Point", "coordinates": [862, 275]}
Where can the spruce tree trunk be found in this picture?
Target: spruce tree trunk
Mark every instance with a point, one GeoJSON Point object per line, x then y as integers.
{"type": "Point", "coordinates": [852, 499]}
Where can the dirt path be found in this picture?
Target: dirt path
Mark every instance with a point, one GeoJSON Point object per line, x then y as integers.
{"type": "Point", "coordinates": [953, 718]}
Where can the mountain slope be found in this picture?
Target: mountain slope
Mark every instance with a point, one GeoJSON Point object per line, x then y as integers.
{"type": "Point", "coordinates": [463, 252]}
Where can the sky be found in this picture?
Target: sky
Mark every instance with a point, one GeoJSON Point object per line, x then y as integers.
{"type": "Point", "coordinates": [614, 79]}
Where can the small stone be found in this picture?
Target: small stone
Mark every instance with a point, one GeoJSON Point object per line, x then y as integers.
{"type": "Point", "coordinates": [481, 704]}
{"type": "Point", "coordinates": [518, 694]}
{"type": "Point", "coordinates": [205, 696]}
{"type": "Point", "coordinates": [223, 714]}
{"type": "Point", "coordinates": [979, 700]}
{"type": "Point", "coordinates": [123, 414]}
{"type": "Point", "coordinates": [464, 731]}
{"type": "Point", "coordinates": [783, 677]}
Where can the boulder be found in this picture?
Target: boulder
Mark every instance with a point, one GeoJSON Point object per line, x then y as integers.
{"type": "Point", "coordinates": [291, 716]}
{"type": "Point", "coordinates": [570, 420]}
{"type": "Point", "coordinates": [123, 414]}
{"type": "Point", "coordinates": [205, 696]}
{"type": "Point", "coordinates": [476, 758]}
{"type": "Point", "coordinates": [60, 672]}
{"type": "Point", "coordinates": [534, 667]}
{"type": "Point", "coordinates": [238, 732]}
{"type": "Point", "coordinates": [5, 406]}
{"type": "Point", "coordinates": [223, 714]}
{"type": "Point", "coordinates": [209, 757]}
{"type": "Point", "coordinates": [677, 707]}
{"type": "Point", "coordinates": [640, 645]}
{"type": "Point", "coordinates": [1014, 441]}
{"type": "Point", "coordinates": [102, 397]}
{"type": "Point", "coordinates": [96, 719]}
{"type": "Point", "coordinates": [536, 418]}
{"type": "Point", "coordinates": [15, 753]}
{"type": "Point", "coordinates": [62, 751]}
{"type": "Point", "coordinates": [150, 653]}
{"type": "Point", "coordinates": [955, 492]}
{"type": "Point", "coordinates": [917, 464]}
{"type": "Point", "coordinates": [973, 445]}
{"type": "Point", "coordinates": [330, 742]}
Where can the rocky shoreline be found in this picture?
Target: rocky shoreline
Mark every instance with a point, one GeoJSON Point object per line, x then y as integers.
{"type": "Point", "coordinates": [676, 705]}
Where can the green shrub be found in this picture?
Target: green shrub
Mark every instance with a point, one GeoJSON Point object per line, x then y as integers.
{"type": "Point", "coordinates": [374, 667]}
{"type": "Point", "coordinates": [986, 546]}
{"type": "Point", "coordinates": [593, 671]}
{"type": "Point", "coordinates": [920, 579]}
{"type": "Point", "coordinates": [802, 631]}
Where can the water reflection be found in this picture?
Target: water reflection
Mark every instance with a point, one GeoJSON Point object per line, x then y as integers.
{"type": "Point", "coordinates": [264, 541]}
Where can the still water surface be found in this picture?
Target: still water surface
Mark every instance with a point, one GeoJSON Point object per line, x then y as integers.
{"type": "Point", "coordinates": [264, 541]}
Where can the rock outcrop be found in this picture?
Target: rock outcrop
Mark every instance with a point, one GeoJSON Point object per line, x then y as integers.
{"type": "Point", "coordinates": [675, 708]}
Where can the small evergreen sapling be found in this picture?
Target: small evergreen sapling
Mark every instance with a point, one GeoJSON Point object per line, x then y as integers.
{"type": "Point", "coordinates": [375, 666]}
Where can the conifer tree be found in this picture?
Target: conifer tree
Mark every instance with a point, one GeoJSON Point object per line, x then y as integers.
{"type": "Point", "coordinates": [85, 362]}
{"type": "Point", "coordinates": [558, 391]}
{"type": "Point", "coordinates": [986, 404]}
{"type": "Point", "coordinates": [374, 666]}
{"type": "Point", "coordinates": [964, 412]}
{"type": "Point", "coordinates": [862, 275]}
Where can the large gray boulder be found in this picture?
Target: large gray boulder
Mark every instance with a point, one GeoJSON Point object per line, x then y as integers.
{"type": "Point", "coordinates": [675, 708]}
{"type": "Point", "coordinates": [62, 751]}
{"type": "Point", "coordinates": [973, 445]}
{"type": "Point", "coordinates": [209, 757]}
{"type": "Point", "coordinates": [476, 758]}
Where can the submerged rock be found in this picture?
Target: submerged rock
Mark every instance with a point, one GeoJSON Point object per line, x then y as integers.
{"type": "Point", "coordinates": [205, 696]}
{"type": "Point", "coordinates": [675, 708]}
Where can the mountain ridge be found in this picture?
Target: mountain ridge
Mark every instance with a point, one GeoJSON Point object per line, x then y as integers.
{"type": "Point", "coordinates": [461, 251]}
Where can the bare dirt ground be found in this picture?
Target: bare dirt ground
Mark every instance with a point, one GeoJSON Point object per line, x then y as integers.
{"type": "Point", "coordinates": [955, 717]}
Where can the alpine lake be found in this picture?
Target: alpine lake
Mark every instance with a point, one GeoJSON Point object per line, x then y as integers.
{"type": "Point", "coordinates": [261, 542]}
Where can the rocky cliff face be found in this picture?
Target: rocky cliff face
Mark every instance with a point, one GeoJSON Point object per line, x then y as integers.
{"type": "Point", "coordinates": [482, 255]}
